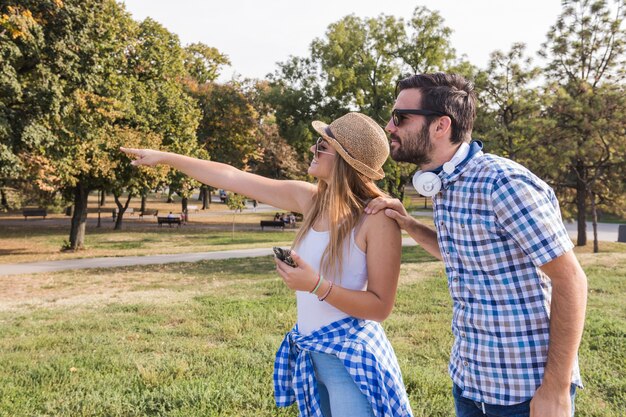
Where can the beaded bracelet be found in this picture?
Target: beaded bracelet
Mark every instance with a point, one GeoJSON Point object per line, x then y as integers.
{"type": "Point", "coordinates": [323, 297]}
{"type": "Point", "coordinates": [319, 283]}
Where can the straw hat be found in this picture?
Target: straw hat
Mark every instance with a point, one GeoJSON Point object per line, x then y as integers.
{"type": "Point", "coordinates": [360, 142]}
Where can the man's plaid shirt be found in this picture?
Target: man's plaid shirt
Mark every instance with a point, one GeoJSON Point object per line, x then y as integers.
{"type": "Point", "coordinates": [497, 223]}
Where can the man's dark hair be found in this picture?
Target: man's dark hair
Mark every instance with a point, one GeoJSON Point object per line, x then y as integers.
{"type": "Point", "coordinates": [446, 93]}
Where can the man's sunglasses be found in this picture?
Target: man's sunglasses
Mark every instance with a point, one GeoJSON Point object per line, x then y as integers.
{"type": "Point", "coordinates": [397, 115]}
{"type": "Point", "coordinates": [320, 146]}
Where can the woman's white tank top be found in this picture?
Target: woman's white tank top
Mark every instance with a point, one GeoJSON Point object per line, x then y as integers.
{"type": "Point", "coordinates": [312, 313]}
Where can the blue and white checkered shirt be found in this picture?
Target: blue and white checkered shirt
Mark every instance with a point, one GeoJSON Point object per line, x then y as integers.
{"type": "Point", "coordinates": [497, 223]}
{"type": "Point", "coordinates": [365, 351]}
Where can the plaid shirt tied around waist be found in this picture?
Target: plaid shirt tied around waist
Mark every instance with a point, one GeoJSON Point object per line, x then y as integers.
{"type": "Point", "coordinates": [497, 223]}
{"type": "Point", "coordinates": [365, 351]}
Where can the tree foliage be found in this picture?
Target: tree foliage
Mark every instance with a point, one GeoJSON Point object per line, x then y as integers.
{"type": "Point", "coordinates": [80, 78]}
{"type": "Point", "coordinates": [509, 117]}
{"type": "Point", "coordinates": [585, 52]}
{"type": "Point", "coordinates": [85, 78]}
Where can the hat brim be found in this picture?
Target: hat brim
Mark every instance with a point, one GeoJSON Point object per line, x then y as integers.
{"type": "Point", "coordinates": [320, 127]}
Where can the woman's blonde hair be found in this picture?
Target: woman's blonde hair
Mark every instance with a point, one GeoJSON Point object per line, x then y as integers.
{"type": "Point", "coordinates": [343, 200]}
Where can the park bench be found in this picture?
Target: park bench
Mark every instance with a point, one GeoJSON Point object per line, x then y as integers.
{"type": "Point", "coordinates": [129, 210]}
{"type": "Point", "coordinates": [148, 212]}
{"type": "Point", "coordinates": [169, 221]}
{"type": "Point", "coordinates": [34, 212]}
{"type": "Point", "coordinates": [272, 223]}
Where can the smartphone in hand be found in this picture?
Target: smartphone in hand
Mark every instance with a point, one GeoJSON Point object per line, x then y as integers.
{"type": "Point", "coordinates": [284, 255]}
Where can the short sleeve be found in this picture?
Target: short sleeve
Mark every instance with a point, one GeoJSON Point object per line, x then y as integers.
{"type": "Point", "coordinates": [527, 209]}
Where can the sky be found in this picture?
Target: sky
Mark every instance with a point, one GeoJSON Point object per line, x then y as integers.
{"type": "Point", "coordinates": [256, 34]}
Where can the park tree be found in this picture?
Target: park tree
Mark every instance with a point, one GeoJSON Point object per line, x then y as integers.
{"type": "Point", "coordinates": [425, 45]}
{"type": "Point", "coordinates": [235, 202]}
{"type": "Point", "coordinates": [127, 181]}
{"type": "Point", "coordinates": [357, 57]}
{"type": "Point", "coordinates": [203, 63]}
{"type": "Point", "coordinates": [510, 110]}
{"type": "Point", "coordinates": [228, 122]}
{"type": "Point", "coordinates": [275, 158]}
{"type": "Point", "coordinates": [227, 130]}
{"type": "Point", "coordinates": [588, 136]}
{"type": "Point", "coordinates": [296, 93]}
{"type": "Point", "coordinates": [85, 75]}
{"type": "Point", "coordinates": [355, 67]}
{"type": "Point", "coordinates": [161, 100]}
{"type": "Point", "coordinates": [585, 50]}
{"type": "Point", "coordinates": [30, 95]}
{"type": "Point", "coordinates": [60, 120]}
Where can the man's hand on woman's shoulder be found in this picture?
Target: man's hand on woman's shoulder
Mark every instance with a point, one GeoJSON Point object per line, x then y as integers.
{"type": "Point", "coordinates": [393, 209]}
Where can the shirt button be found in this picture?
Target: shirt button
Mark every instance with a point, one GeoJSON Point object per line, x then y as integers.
{"type": "Point", "coordinates": [463, 335]}
{"type": "Point", "coordinates": [447, 252]}
{"type": "Point", "coordinates": [455, 280]}
{"type": "Point", "coordinates": [462, 306]}
{"type": "Point", "coordinates": [441, 223]}
{"type": "Point", "coordinates": [465, 363]}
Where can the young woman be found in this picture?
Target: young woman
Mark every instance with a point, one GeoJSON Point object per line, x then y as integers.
{"type": "Point", "coordinates": [337, 360]}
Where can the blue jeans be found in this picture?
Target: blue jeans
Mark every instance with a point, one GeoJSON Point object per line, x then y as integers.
{"type": "Point", "coordinates": [339, 395]}
{"type": "Point", "coordinates": [465, 407]}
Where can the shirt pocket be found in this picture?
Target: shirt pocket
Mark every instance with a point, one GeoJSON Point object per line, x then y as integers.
{"type": "Point", "coordinates": [478, 242]}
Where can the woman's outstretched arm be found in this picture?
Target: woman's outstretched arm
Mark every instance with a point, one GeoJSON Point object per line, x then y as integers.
{"type": "Point", "coordinates": [289, 195]}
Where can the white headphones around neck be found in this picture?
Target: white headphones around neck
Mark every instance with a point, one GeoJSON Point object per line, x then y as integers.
{"type": "Point", "coordinates": [428, 183]}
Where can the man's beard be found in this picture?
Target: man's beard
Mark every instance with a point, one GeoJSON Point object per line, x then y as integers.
{"type": "Point", "coordinates": [414, 149]}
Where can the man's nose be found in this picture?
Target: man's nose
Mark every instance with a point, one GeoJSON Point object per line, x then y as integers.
{"type": "Point", "coordinates": [391, 128]}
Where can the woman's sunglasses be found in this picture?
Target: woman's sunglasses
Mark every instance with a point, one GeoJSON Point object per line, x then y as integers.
{"type": "Point", "coordinates": [320, 147]}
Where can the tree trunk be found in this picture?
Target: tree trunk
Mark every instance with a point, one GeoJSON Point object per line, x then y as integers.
{"type": "Point", "coordinates": [143, 201]}
{"type": "Point", "coordinates": [121, 209]}
{"type": "Point", "coordinates": [79, 218]}
{"type": "Point", "coordinates": [594, 219]}
{"type": "Point", "coordinates": [184, 202]}
{"type": "Point", "coordinates": [169, 195]}
{"type": "Point", "coordinates": [3, 200]}
{"type": "Point", "coordinates": [206, 199]}
{"type": "Point", "coordinates": [99, 208]}
{"type": "Point", "coordinates": [103, 198]}
{"type": "Point", "coordinates": [581, 205]}
{"type": "Point", "coordinates": [205, 196]}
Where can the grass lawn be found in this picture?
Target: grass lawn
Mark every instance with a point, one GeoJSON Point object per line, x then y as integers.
{"type": "Point", "coordinates": [41, 240]}
{"type": "Point", "coordinates": [199, 339]}
{"type": "Point", "coordinates": [37, 241]}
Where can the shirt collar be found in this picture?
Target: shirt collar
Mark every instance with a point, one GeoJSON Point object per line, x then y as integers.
{"type": "Point", "coordinates": [447, 179]}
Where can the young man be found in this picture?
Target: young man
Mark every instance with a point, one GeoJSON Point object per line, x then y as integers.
{"type": "Point", "coordinates": [519, 294]}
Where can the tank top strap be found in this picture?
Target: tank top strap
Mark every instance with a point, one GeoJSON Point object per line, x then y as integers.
{"type": "Point", "coordinates": [357, 227]}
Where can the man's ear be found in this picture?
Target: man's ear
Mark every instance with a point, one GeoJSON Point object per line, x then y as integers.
{"type": "Point", "coordinates": [442, 127]}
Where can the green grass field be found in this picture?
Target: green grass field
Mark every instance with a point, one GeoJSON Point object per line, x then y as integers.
{"type": "Point", "coordinates": [18, 244]}
{"type": "Point", "coordinates": [199, 339]}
